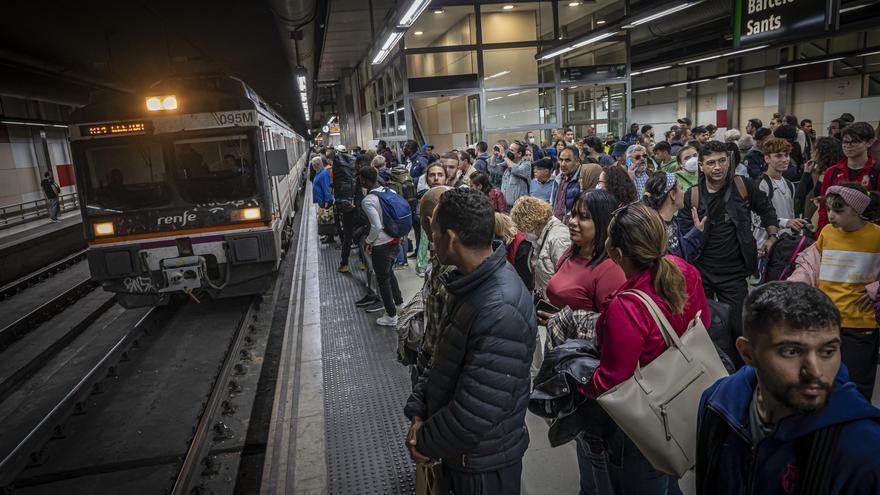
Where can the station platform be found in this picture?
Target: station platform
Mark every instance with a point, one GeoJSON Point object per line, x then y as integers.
{"type": "Point", "coordinates": [42, 240]}
{"type": "Point", "coordinates": [337, 423]}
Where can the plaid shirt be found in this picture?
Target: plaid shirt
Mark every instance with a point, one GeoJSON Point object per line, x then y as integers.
{"type": "Point", "coordinates": [435, 297]}
{"type": "Point", "coordinates": [569, 324]}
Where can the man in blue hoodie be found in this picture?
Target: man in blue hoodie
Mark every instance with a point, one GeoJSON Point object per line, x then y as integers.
{"type": "Point", "coordinates": [790, 422]}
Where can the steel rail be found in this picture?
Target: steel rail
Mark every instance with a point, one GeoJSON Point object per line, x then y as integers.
{"type": "Point", "coordinates": [30, 279]}
{"type": "Point", "coordinates": [19, 327]}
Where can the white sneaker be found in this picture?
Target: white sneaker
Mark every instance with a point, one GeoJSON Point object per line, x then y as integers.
{"type": "Point", "coordinates": [386, 321]}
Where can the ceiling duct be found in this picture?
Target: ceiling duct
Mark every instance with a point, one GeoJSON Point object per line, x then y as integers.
{"type": "Point", "coordinates": [296, 21]}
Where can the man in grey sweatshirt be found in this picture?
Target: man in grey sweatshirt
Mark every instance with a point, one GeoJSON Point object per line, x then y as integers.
{"type": "Point", "coordinates": [517, 173]}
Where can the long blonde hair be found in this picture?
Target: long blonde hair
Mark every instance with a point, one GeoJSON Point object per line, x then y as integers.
{"type": "Point", "coordinates": [505, 228]}
{"type": "Point", "coordinates": [638, 231]}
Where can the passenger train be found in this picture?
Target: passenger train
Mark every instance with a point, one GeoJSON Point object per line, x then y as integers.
{"type": "Point", "coordinates": [189, 189]}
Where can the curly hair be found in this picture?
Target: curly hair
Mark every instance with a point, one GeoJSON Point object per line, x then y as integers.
{"type": "Point", "coordinates": [531, 214]}
{"type": "Point", "coordinates": [828, 152]}
{"type": "Point", "coordinates": [618, 183]}
{"type": "Point", "coordinates": [469, 213]}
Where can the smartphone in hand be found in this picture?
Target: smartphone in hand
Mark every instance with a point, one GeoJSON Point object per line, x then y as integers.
{"type": "Point", "coordinates": [546, 307]}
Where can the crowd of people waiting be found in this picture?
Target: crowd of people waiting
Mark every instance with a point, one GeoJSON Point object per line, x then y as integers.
{"type": "Point", "coordinates": [768, 237]}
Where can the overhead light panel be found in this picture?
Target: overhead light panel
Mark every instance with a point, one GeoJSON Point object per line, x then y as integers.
{"type": "Point", "coordinates": [387, 46]}
{"type": "Point", "coordinates": [740, 74]}
{"type": "Point", "coordinates": [493, 76]}
{"type": "Point", "coordinates": [728, 54]}
{"type": "Point", "coordinates": [419, 33]}
{"type": "Point", "coordinates": [648, 89]}
{"type": "Point", "coordinates": [690, 82]}
{"type": "Point", "coordinates": [657, 15]}
{"type": "Point", "coordinates": [573, 4]}
{"type": "Point", "coordinates": [822, 61]}
{"type": "Point", "coordinates": [413, 12]}
{"type": "Point", "coordinates": [594, 39]}
{"type": "Point", "coordinates": [438, 11]}
{"type": "Point", "coordinates": [655, 69]}
{"type": "Point", "coordinates": [600, 22]}
{"type": "Point", "coordinates": [507, 7]}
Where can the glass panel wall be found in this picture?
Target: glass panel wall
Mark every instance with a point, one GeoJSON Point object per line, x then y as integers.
{"type": "Point", "coordinates": [441, 64]}
{"type": "Point", "coordinates": [513, 92]}
{"type": "Point", "coordinates": [446, 26]}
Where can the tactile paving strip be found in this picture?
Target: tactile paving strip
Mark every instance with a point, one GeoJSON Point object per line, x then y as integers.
{"type": "Point", "coordinates": [365, 389]}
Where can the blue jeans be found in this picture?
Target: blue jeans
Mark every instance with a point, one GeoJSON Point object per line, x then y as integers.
{"type": "Point", "coordinates": [636, 475]}
{"type": "Point", "coordinates": [595, 479]}
{"type": "Point", "coordinates": [401, 253]}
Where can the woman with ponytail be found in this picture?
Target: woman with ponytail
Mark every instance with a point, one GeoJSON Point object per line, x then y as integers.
{"type": "Point", "coordinates": [664, 194]}
{"type": "Point", "coordinates": [626, 333]}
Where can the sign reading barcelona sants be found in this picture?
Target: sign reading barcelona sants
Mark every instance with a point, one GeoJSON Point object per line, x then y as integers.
{"type": "Point", "coordinates": [762, 21]}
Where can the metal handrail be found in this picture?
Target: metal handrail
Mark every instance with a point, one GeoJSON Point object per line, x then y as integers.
{"type": "Point", "coordinates": [17, 214]}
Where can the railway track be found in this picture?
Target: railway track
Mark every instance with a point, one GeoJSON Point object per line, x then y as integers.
{"type": "Point", "coordinates": [22, 284]}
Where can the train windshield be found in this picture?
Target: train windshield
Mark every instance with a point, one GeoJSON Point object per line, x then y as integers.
{"type": "Point", "coordinates": [215, 169]}
{"type": "Point", "coordinates": [127, 176]}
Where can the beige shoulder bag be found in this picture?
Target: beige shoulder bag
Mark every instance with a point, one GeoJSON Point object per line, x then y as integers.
{"type": "Point", "coordinates": [657, 407]}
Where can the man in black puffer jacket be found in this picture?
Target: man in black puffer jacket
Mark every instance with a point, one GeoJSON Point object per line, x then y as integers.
{"type": "Point", "coordinates": [469, 408]}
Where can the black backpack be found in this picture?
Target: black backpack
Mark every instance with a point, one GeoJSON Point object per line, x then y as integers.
{"type": "Point", "coordinates": [781, 260]}
{"type": "Point", "coordinates": [771, 187]}
{"type": "Point", "coordinates": [344, 177]}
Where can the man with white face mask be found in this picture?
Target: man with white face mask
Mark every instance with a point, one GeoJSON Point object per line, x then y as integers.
{"type": "Point", "coordinates": [688, 163]}
{"type": "Point", "coordinates": [530, 138]}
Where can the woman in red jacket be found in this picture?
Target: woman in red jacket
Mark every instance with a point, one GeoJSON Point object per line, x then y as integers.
{"type": "Point", "coordinates": [626, 334]}
{"type": "Point", "coordinates": [583, 280]}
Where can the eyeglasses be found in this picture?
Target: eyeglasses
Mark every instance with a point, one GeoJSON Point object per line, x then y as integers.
{"type": "Point", "coordinates": [637, 158]}
{"type": "Point", "coordinates": [716, 163]}
{"type": "Point", "coordinates": [851, 142]}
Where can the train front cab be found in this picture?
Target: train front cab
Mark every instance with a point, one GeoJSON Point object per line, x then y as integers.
{"type": "Point", "coordinates": [159, 225]}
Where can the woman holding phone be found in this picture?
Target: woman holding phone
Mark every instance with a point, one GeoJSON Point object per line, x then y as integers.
{"type": "Point", "coordinates": [585, 277]}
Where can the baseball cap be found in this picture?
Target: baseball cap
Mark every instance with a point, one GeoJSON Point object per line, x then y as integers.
{"type": "Point", "coordinates": [340, 148]}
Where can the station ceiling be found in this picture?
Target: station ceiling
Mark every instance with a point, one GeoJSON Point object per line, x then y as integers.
{"type": "Point", "coordinates": [61, 51]}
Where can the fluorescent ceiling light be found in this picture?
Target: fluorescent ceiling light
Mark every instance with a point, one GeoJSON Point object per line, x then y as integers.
{"type": "Point", "coordinates": [412, 13]}
{"type": "Point", "coordinates": [662, 13]}
{"type": "Point", "coordinates": [600, 22]}
{"type": "Point", "coordinates": [418, 33]}
{"type": "Point", "coordinates": [493, 76]}
{"type": "Point", "coordinates": [854, 7]}
{"type": "Point", "coordinates": [37, 124]}
{"type": "Point", "coordinates": [824, 60]}
{"type": "Point", "coordinates": [438, 11]}
{"type": "Point", "coordinates": [390, 41]}
{"type": "Point", "coordinates": [594, 39]}
{"type": "Point", "coordinates": [655, 69]}
{"type": "Point", "coordinates": [556, 53]}
{"type": "Point", "coordinates": [507, 7]}
{"type": "Point", "coordinates": [648, 89]}
{"type": "Point", "coordinates": [742, 74]}
{"type": "Point", "coordinates": [517, 93]}
{"type": "Point", "coordinates": [574, 4]}
{"type": "Point", "coordinates": [868, 54]}
{"type": "Point", "coordinates": [690, 82]}
{"type": "Point", "coordinates": [495, 98]}
{"type": "Point", "coordinates": [728, 54]}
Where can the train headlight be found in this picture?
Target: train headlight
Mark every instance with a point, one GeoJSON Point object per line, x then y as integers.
{"type": "Point", "coordinates": [157, 103]}
{"type": "Point", "coordinates": [250, 214]}
{"type": "Point", "coordinates": [103, 228]}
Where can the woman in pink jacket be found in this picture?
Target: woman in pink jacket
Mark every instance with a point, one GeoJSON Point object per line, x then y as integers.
{"type": "Point", "coordinates": [626, 334]}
